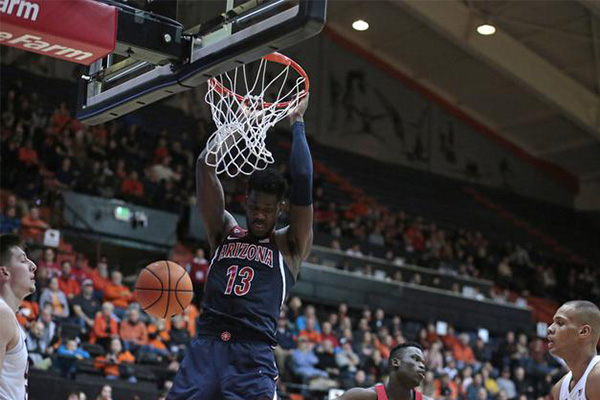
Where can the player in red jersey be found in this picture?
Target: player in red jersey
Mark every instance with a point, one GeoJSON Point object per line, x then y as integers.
{"type": "Point", "coordinates": [406, 369]}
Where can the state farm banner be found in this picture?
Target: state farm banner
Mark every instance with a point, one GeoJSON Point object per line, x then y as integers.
{"type": "Point", "coordinates": [80, 31]}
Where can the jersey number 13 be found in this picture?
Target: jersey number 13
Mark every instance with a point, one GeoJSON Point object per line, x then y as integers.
{"type": "Point", "coordinates": [246, 274]}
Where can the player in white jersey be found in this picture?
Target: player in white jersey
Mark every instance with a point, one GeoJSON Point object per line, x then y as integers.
{"type": "Point", "coordinates": [17, 281]}
{"type": "Point", "coordinates": [573, 336]}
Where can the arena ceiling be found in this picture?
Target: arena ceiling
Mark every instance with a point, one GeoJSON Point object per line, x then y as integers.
{"type": "Point", "coordinates": [536, 82]}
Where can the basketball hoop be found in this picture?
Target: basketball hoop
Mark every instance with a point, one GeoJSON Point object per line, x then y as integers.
{"type": "Point", "coordinates": [244, 109]}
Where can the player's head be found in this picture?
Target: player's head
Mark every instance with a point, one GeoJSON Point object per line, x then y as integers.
{"type": "Point", "coordinates": [575, 324]}
{"type": "Point", "coordinates": [407, 364]}
{"type": "Point", "coordinates": [17, 271]}
{"type": "Point", "coordinates": [264, 200]}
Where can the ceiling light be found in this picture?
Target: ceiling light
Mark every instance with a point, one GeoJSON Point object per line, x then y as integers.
{"type": "Point", "coordinates": [486, 29]}
{"type": "Point", "coordinates": [360, 25]}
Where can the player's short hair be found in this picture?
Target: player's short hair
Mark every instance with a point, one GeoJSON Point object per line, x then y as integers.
{"type": "Point", "coordinates": [268, 181]}
{"type": "Point", "coordinates": [7, 242]}
{"type": "Point", "coordinates": [398, 350]}
{"type": "Point", "coordinates": [587, 313]}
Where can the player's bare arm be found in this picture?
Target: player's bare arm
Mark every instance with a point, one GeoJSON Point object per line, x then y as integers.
{"type": "Point", "coordinates": [359, 394]}
{"type": "Point", "coordinates": [9, 335]}
{"type": "Point", "coordinates": [592, 390]}
{"type": "Point", "coordinates": [211, 202]}
{"type": "Point", "coordinates": [298, 236]}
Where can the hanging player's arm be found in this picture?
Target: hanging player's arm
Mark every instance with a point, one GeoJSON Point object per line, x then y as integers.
{"type": "Point", "coordinates": [211, 203]}
{"type": "Point", "coordinates": [298, 236]}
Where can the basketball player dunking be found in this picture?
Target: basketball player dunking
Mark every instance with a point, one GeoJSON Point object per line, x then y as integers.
{"type": "Point", "coordinates": [406, 367]}
{"type": "Point", "coordinates": [250, 274]}
{"type": "Point", "coordinates": [573, 336]}
{"type": "Point", "coordinates": [17, 281]}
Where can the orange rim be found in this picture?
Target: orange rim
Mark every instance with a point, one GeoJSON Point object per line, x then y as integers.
{"type": "Point", "coordinates": [273, 57]}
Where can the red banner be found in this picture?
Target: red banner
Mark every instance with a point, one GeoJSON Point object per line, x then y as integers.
{"type": "Point", "coordinates": [80, 31]}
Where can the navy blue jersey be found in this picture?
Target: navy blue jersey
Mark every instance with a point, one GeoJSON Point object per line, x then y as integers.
{"type": "Point", "coordinates": [248, 281]}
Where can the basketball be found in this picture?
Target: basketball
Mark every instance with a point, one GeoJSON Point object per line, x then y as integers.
{"type": "Point", "coordinates": [163, 289]}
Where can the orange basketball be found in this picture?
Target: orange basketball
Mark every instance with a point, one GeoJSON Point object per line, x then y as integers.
{"type": "Point", "coordinates": [163, 289]}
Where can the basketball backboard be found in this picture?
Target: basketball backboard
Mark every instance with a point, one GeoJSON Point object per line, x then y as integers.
{"type": "Point", "coordinates": [156, 56]}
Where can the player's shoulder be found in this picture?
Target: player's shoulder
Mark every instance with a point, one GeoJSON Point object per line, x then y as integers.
{"type": "Point", "coordinates": [360, 394]}
{"type": "Point", "coordinates": [556, 389]}
{"type": "Point", "coordinates": [593, 382]}
{"type": "Point", "coordinates": [8, 329]}
{"type": "Point", "coordinates": [5, 311]}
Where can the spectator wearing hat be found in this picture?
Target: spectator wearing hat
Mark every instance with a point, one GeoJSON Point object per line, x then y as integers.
{"type": "Point", "coordinates": [346, 359]}
{"type": "Point", "coordinates": [85, 306]}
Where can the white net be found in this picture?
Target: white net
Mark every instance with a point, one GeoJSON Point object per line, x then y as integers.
{"type": "Point", "coordinates": [244, 109]}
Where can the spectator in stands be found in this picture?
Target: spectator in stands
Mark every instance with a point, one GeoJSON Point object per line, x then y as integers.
{"type": "Point", "coordinates": [28, 156]}
{"type": "Point", "coordinates": [66, 175]}
{"type": "Point", "coordinates": [481, 352]}
{"type": "Point", "coordinates": [304, 361]}
{"type": "Point", "coordinates": [328, 334]}
{"type": "Point", "coordinates": [309, 313]}
{"type": "Point", "coordinates": [462, 351]}
{"type": "Point", "coordinates": [428, 385]}
{"type": "Point", "coordinates": [293, 312]}
{"type": "Point", "coordinates": [77, 396]}
{"type": "Point", "coordinates": [105, 326]}
{"type": "Point", "coordinates": [198, 272]}
{"type": "Point", "coordinates": [132, 188]}
{"type": "Point", "coordinates": [505, 351]}
{"type": "Point", "coordinates": [474, 388]}
{"type": "Point", "coordinates": [81, 269]}
{"type": "Point", "coordinates": [133, 331]}
{"type": "Point", "coordinates": [355, 250]}
{"type": "Point", "coordinates": [434, 357]}
{"type": "Point", "coordinates": [180, 335]}
{"type": "Point", "coordinates": [105, 393]}
{"type": "Point", "coordinates": [117, 363]}
{"type": "Point", "coordinates": [522, 383]}
{"type": "Point", "coordinates": [310, 333]}
{"type": "Point", "coordinates": [117, 293]}
{"type": "Point", "coordinates": [9, 221]}
{"type": "Point", "coordinates": [446, 388]}
{"type": "Point", "coordinates": [32, 226]}
{"type": "Point", "coordinates": [489, 382]}
{"type": "Point", "coordinates": [346, 359]}
{"type": "Point", "coordinates": [327, 362]}
{"type": "Point", "coordinates": [506, 384]}
{"type": "Point", "coordinates": [85, 306]}
{"type": "Point", "coordinates": [379, 320]}
{"type": "Point", "coordinates": [54, 296]}
{"type": "Point", "coordinates": [285, 341]}
{"type": "Point", "coordinates": [50, 327]}
{"type": "Point", "coordinates": [37, 346]}
{"type": "Point", "coordinates": [49, 261]}
{"type": "Point", "coordinates": [99, 275]}
{"type": "Point", "coordinates": [163, 170]}
{"type": "Point", "coordinates": [68, 354]}
{"type": "Point", "coordinates": [67, 282]}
